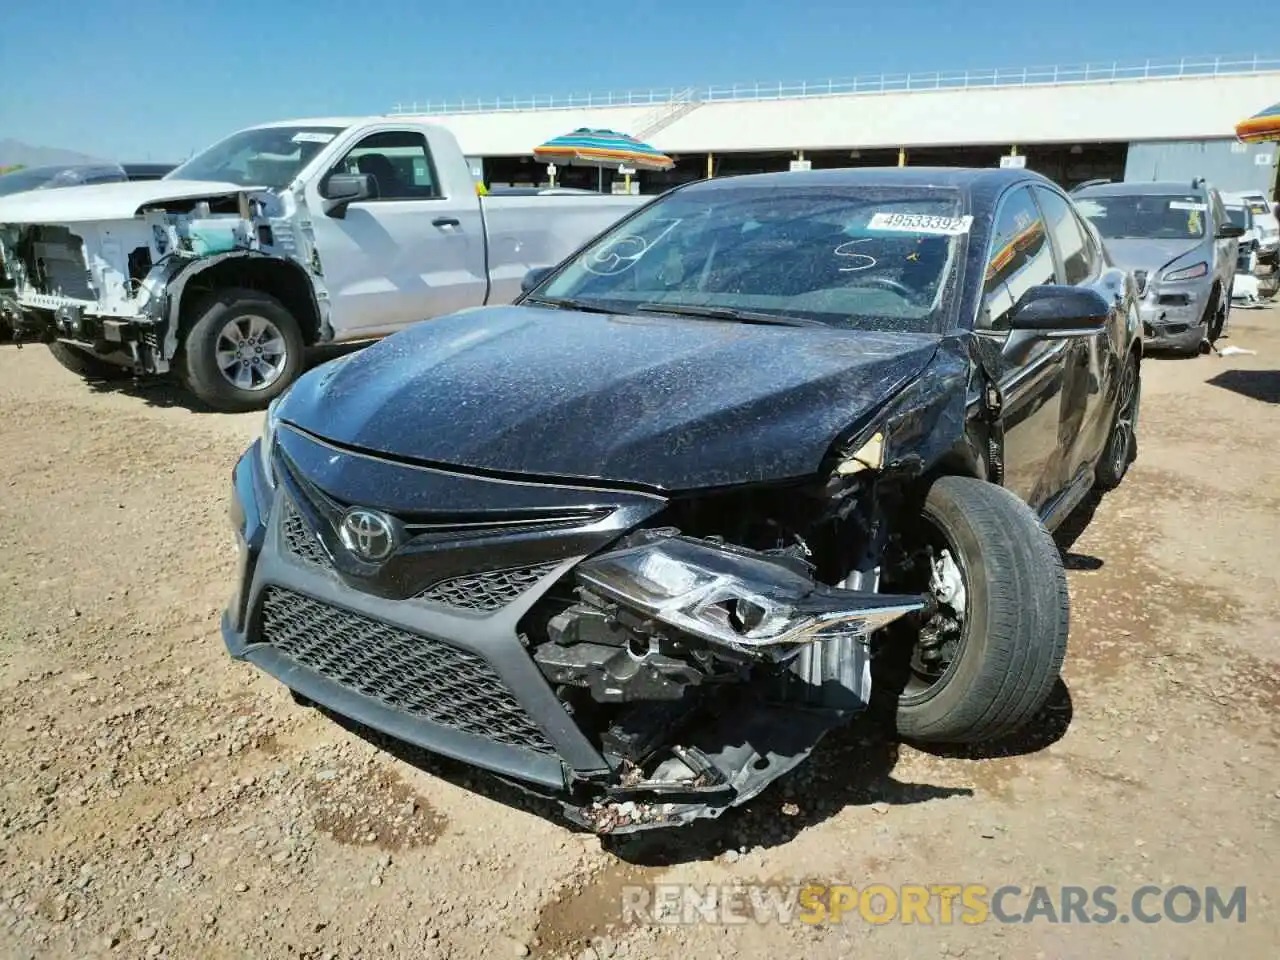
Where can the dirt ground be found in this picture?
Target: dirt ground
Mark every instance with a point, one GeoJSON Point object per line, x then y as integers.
{"type": "Point", "coordinates": [160, 800]}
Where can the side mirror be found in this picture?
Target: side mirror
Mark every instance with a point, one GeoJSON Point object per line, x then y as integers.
{"type": "Point", "coordinates": [1061, 309]}
{"type": "Point", "coordinates": [534, 277]}
{"type": "Point", "coordinates": [343, 189]}
{"type": "Point", "coordinates": [1229, 231]}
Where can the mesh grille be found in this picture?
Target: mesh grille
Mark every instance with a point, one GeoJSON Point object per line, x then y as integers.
{"type": "Point", "coordinates": [485, 591]}
{"type": "Point", "coordinates": [408, 671]}
{"type": "Point", "coordinates": [302, 542]}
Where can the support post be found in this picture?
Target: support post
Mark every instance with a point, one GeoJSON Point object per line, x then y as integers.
{"type": "Point", "coordinates": [711, 165]}
{"type": "Point", "coordinates": [902, 156]}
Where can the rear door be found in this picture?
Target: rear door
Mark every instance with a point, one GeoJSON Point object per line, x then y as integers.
{"type": "Point", "coordinates": [1019, 258]}
{"type": "Point", "coordinates": [410, 254]}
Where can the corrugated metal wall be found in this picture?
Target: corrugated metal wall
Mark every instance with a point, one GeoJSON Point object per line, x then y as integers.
{"type": "Point", "coordinates": [1227, 164]}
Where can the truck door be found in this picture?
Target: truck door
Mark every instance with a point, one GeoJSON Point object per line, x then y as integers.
{"type": "Point", "coordinates": [411, 253]}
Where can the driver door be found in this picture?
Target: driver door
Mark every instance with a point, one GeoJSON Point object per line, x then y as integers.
{"type": "Point", "coordinates": [1031, 375]}
{"type": "Point", "coordinates": [410, 253]}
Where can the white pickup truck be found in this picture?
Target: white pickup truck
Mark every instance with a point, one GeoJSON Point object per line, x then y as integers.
{"type": "Point", "coordinates": [278, 237]}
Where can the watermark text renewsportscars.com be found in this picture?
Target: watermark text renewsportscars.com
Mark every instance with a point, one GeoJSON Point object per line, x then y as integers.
{"type": "Point", "coordinates": [936, 903]}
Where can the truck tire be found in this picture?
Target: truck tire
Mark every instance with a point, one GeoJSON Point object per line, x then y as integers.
{"type": "Point", "coordinates": [84, 364]}
{"type": "Point", "coordinates": [242, 350]}
{"type": "Point", "coordinates": [1013, 632]}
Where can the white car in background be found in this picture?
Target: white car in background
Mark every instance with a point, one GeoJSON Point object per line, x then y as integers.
{"type": "Point", "coordinates": [1266, 228]}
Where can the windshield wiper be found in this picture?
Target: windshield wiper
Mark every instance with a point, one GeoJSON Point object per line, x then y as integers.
{"type": "Point", "coordinates": [563, 304]}
{"type": "Point", "coordinates": [726, 313]}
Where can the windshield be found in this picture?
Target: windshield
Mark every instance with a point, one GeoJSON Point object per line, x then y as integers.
{"type": "Point", "coordinates": [1148, 216]}
{"type": "Point", "coordinates": [867, 258]}
{"type": "Point", "coordinates": [262, 157]}
{"type": "Point", "coordinates": [47, 178]}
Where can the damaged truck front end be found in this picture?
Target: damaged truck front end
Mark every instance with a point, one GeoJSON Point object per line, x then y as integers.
{"type": "Point", "coordinates": [109, 280]}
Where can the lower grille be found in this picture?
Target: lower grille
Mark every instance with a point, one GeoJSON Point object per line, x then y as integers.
{"type": "Point", "coordinates": [408, 671]}
{"type": "Point", "coordinates": [300, 539]}
{"type": "Point", "coordinates": [489, 590]}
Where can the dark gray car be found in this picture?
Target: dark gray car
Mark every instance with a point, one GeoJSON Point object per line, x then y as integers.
{"type": "Point", "coordinates": [1176, 238]}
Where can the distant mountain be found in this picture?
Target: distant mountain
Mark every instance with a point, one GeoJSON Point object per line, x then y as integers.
{"type": "Point", "coordinates": [14, 151]}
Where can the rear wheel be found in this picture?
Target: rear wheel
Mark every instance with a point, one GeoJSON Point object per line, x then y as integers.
{"type": "Point", "coordinates": [84, 364]}
{"type": "Point", "coordinates": [1122, 444]}
{"type": "Point", "coordinates": [242, 351]}
{"type": "Point", "coordinates": [985, 661]}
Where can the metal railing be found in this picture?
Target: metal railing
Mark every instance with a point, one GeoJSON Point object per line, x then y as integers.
{"type": "Point", "coordinates": [1105, 72]}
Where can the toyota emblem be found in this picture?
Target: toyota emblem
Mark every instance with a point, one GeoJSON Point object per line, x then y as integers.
{"type": "Point", "coordinates": [368, 534]}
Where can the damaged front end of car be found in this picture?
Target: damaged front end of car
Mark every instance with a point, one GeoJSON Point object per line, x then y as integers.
{"type": "Point", "coordinates": [655, 657]}
{"type": "Point", "coordinates": [114, 285]}
{"type": "Point", "coordinates": [709, 671]}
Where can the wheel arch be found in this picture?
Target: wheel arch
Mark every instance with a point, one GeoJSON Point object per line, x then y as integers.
{"type": "Point", "coordinates": [285, 280]}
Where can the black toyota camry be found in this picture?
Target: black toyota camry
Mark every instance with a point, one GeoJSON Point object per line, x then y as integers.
{"type": "Point", "coordinates": [640, 539]}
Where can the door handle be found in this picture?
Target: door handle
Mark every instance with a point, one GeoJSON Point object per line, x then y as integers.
{"type": "Point", "coordinates": [446, 222]}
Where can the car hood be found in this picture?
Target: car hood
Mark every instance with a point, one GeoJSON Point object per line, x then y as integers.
{"type": "Point", "coordinates": [1148, 255]}
{"type": "Point", "coordinates": [107, 201]}
{"type": "Point", "coordinates": [661, 402]}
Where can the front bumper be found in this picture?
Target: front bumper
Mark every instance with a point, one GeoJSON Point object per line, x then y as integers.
{"type": "Point", "coordinates": [452, 681]}
{"type": "Point", "coordinates": [72, 321]}
{"type": "Point", "coordinates": [432, 667]}
{"type": "Point", "coordinates": [1172, 314]}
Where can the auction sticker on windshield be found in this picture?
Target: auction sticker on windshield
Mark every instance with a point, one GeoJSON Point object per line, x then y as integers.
{"type": "Point", "coordinates": [1187, 205]}
{"type": "Point", "coordinates": [312, 136]}
{"type": "Point", "coordinates": [920, 223]}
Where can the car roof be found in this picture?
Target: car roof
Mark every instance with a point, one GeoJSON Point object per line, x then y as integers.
{"type": "Point", "coordinates": [959, 178]}
{"type": "Point", "coordinates": [1129, 188]}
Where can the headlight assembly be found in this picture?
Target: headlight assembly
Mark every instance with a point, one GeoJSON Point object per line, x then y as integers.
{"type": "Point", "coordinates": [265, 448]}
{"type": "Point", "coordinates": [748, 601]}
{"type": "Point", "coordinates": [1188, 273]}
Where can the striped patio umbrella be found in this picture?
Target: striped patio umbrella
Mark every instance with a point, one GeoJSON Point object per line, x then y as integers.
{"type": "Point", "coordinates": [602, 148]}
{"type": "Point", "coordinates": [1261, 126]}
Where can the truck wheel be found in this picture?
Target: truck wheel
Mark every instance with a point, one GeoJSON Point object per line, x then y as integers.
{"type": "Point", "coordinates": [84, 364]}
{"type": "Point", "coordinates": [987, 660]}
{"type": "Point", "coordinates": [242, 351]}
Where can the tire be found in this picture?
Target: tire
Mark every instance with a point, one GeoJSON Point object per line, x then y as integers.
{"type": "Point", "coordinates": [84, 364]}
{"type": "Point", "coordinates": [1122, 442]}
{"type": "Point", "coordinates": [1014, 636]}
{"type": "Point", "coordinates": [245, 311]}
{"type": "Point", "coordinates": [1214, 320]}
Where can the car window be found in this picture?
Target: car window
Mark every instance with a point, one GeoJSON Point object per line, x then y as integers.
{"type": "Point", "coordinates": [400, 162]}
{"type": "Point", "coordinates": [1073, 249]}
{"type": "Point", "coordinates": [1020, 257]}
{"type": "Point", "coordinates": [1149, 216]}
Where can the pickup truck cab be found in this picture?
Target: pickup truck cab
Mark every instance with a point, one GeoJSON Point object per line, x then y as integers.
{"type": "Point", "coordinates": [275, 238]}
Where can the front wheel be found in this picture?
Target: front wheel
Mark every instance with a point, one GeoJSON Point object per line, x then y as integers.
{"type": "Point", "coordinates": [987, 658]}
{"type": "Point", "coordinates": [242, 351]}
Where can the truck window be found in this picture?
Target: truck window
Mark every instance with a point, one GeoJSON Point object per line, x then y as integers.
{"type": "Point", "coordinates": [400, 162]}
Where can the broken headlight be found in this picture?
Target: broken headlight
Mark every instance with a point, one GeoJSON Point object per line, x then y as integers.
{"type": "Point", "coordinates": [268, 443]}
{"type": "Point", "coordinates": [739, 598]}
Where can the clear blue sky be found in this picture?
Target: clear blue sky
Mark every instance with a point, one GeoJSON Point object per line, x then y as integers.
{"type": "Point", "coordinates": [132, 79]}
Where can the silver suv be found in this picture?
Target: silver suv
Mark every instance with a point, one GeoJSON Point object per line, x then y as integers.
{"type": "Point", "coordinates": [1181, 246]}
